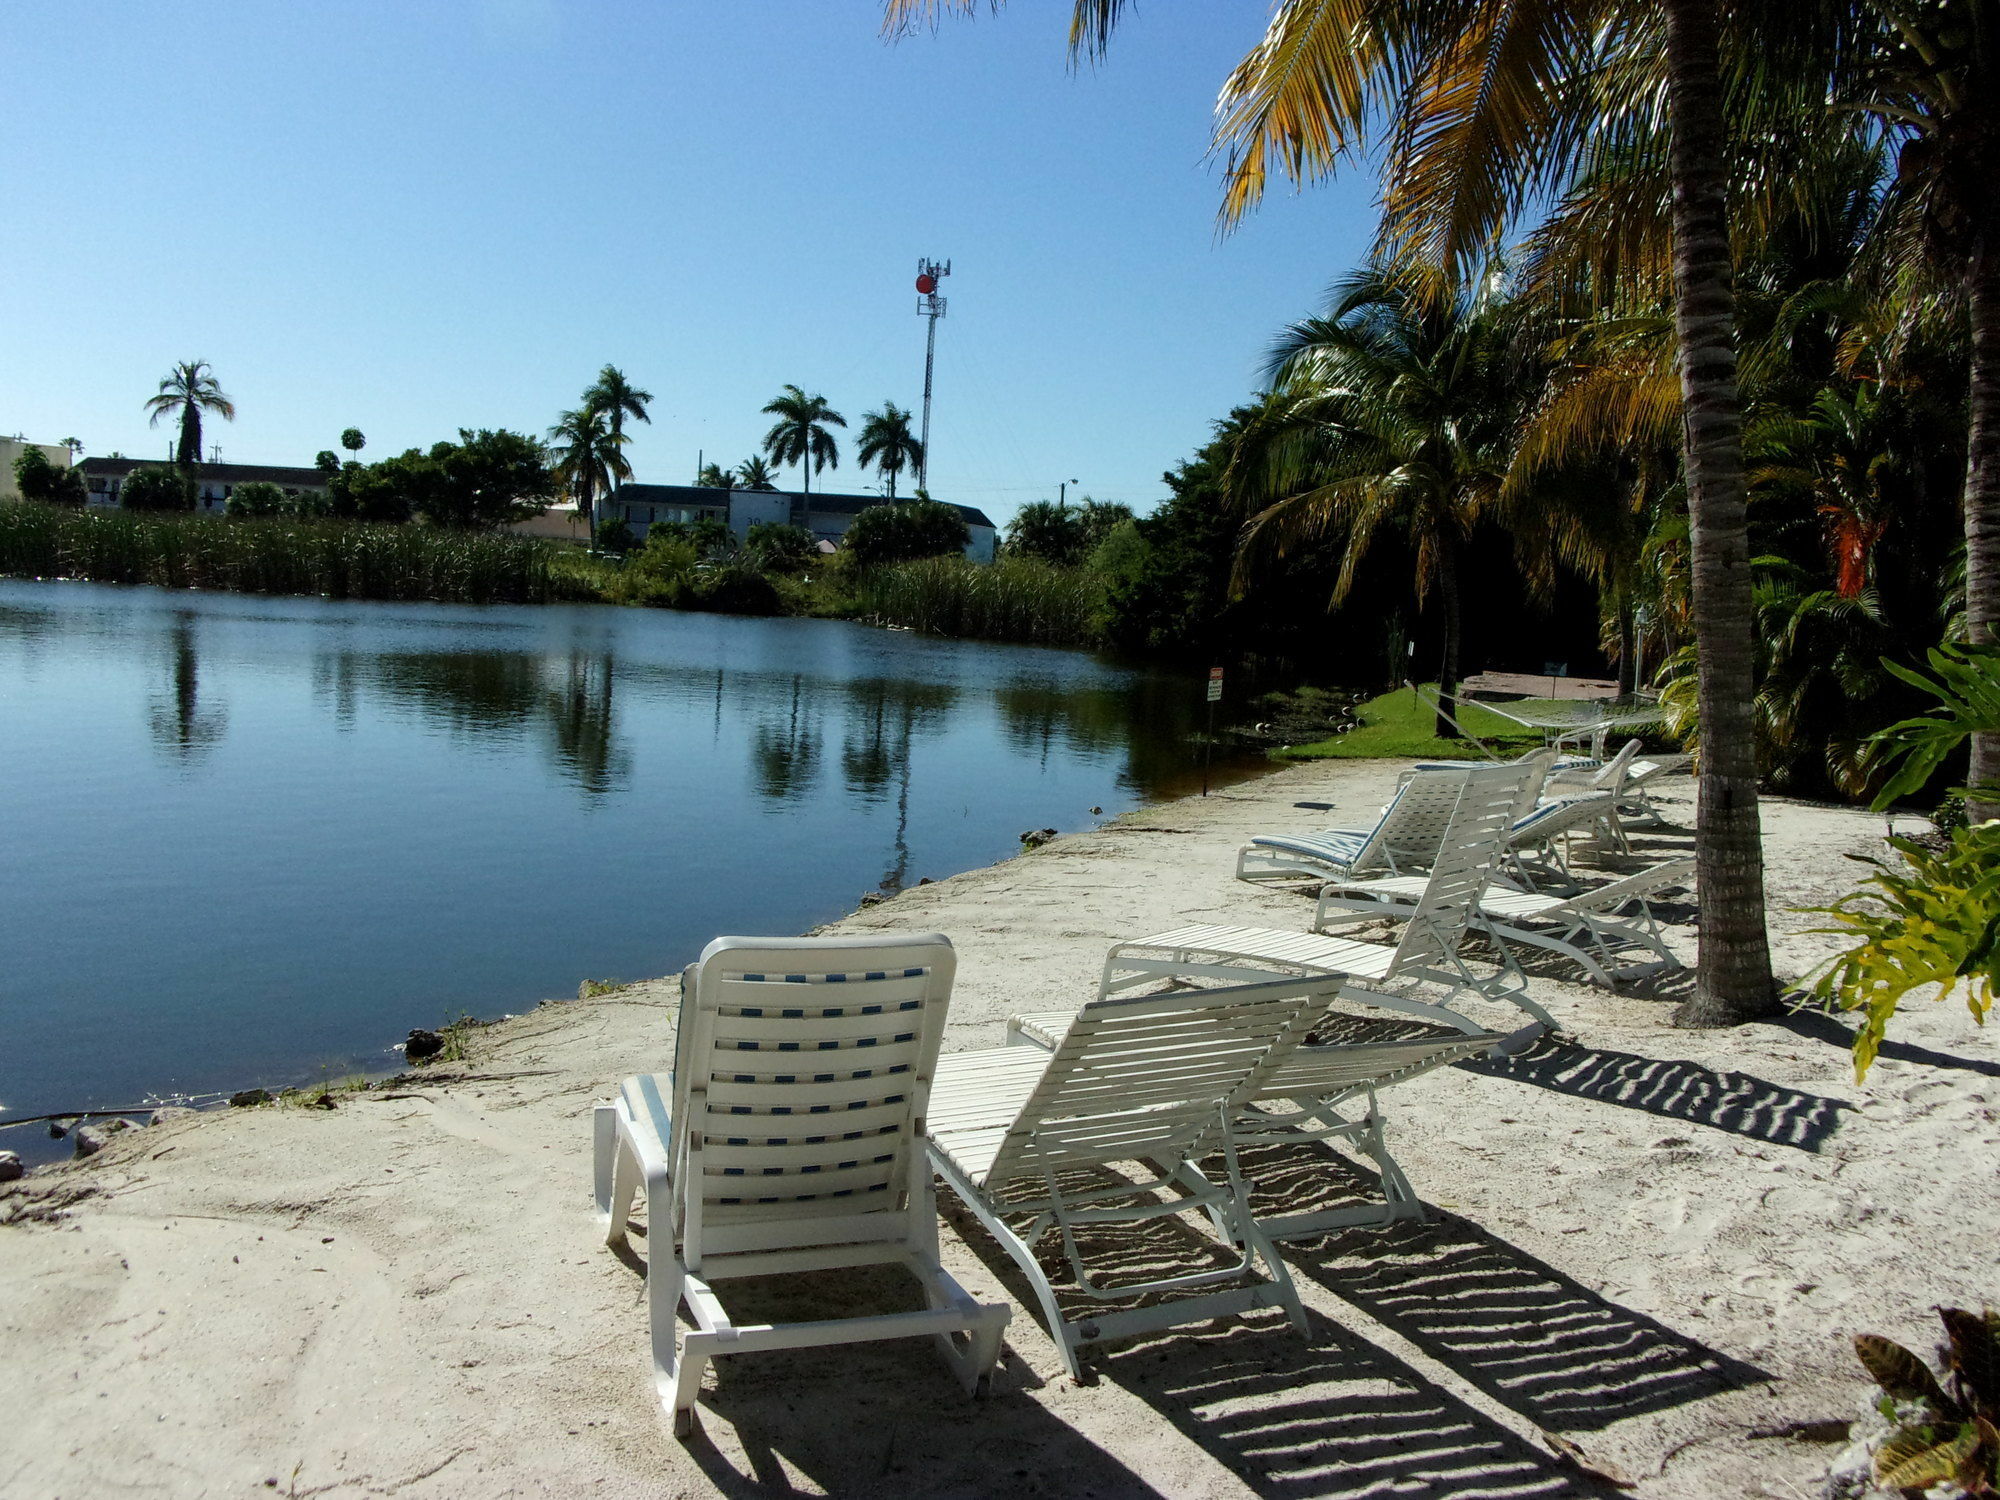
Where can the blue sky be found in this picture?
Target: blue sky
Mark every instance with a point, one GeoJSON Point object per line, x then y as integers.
{"type": "Point", "coordinates": [412, 218]}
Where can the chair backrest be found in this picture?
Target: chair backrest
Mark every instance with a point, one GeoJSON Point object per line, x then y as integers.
{"type": "Point", "coordinates": [1471, 848]}
{"type": "Point", "coordinates": [1149, 1076]}
{"type": "Point", "coordinates": [1537, 764]}
{"type": "Point", "coordinates": [1611, 776]}
{"type": "Point", "coordinates": [1412, 826]}
{"type": "Point", "coordinates": [802, 1071]}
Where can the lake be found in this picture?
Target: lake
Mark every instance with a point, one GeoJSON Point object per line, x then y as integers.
{"type": "Point", "coordinates": [253, 840]}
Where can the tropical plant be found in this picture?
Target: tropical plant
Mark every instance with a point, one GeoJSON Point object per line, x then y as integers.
{"type": "Point", "coordinates": [1942, 1432]}
{"type": "Point", "coordinates": [715, 477]}
{"type": "Point", "coordinates": [778, 548]}
{"type": "Point", "coordinates": [615, 535]}
{"type": "Point", "coordinates": [352, 440]}
{"type": "Point", "coordinates": [327, 462]}
{"type": "Point", "coordinates": [1388, 414]}
{"type": "Point", "coordinates": [39, 479]}
{"type": "Point", "coordinates": [586, 454]}
{"type": "Point", "coordinates": [157, 488]}
{"type": "Point", "coordinates": [1840, 459]}
{"type": "Point", "coordinates": [755, 474]}
{"type": "Point", "coordinates": [487, 478]}
{"type": "Point", "coordinates": [1966, 686]}
{"type": "Point", "coordinates": [189, 389]}
{"type": "Point", "coordinates": [885, 440]}
{"type": "Point", "coordinates": [800, 434]}
{"type": "Point", "coordinates": [901, 533]}
{"type": "Point", "coordinates": [616, 398]}
{"type": "Point", "coordinates": [257, 498]}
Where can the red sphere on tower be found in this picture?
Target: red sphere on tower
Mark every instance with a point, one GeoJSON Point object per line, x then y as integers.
{"type": "Point", "coordinates": [927, 284]}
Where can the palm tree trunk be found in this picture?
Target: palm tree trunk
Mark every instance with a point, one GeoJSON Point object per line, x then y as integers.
{"type": "Point", "coordinates": [1628, 646]}
{"type": "Point", "coordinates": [189, 453]}
{"type": "Point", "coordinates": [1448, 608]}
{"type": "Point", "coordinates": [1982, 487]}
{"type": "Point", "coordinates": [1733, 976]}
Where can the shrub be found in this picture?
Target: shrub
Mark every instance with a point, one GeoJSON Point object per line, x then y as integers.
{"type": "Point", "coordinates": [903, 533]}
{"type": "Point", "coordinates": [1015, 599]}
{"type": "Point", "coordinates": [778, 548]}
{"type": "Point", "coordinates": [615, 535]}
{"type": "Point", "coordinates": [256, 499]}
{"type": "Point", "coordinates": [1941, 1431]}
{"type": "Point", "coordinates": [156, 488]}
{"type": "Point", "coordinates": [39, 479]}
{"type": "Point", "coordinates": [734, 589]}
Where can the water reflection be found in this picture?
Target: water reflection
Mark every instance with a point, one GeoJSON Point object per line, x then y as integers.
{"type": "Point", "coordinates": [180, 725]}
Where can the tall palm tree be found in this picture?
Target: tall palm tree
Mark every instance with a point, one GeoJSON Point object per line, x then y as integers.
{"type": "Point", "coordinates": [800, 435]}
{"type": "Point", "coordinates": [189, 390]}
{"type": "Point", "coordinates": [755, 474]}
{"type": "Point", "coordinates": [1488, 109]}
{"type": "Point", "coordinates": [886, 442]}
{"type": "Point", "coordinates": [715, 477]}
{"type": "Point", "coordinates": [617, 398]}
{"type": "Point", "coordinates": [1386, 415]}
{"type": "Point", "coordinates": [588, 457]}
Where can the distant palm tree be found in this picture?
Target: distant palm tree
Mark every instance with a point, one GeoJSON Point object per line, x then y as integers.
{"type": "Point", "coordinates": [887, 442]}
{"type": "Point", "coordinates": [586, 458]}
{"type": "Point", "coordinates": [75, 446]}
{"type": "Point", "coordinates": [352, 440]}
{"type": "Point", "coordinates": [618, 399]}
{"type": "Point", "coordinates": [190, 389]}
{"type": "Point", "coordinates": [715, 477]}
{"type": "Point", "coordinates": [800, 435]}
{"type": "Point", "coordinates": [755, 474]}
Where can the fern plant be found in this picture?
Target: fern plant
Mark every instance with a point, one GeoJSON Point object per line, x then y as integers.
{"type": "Point", "coordinates": [1945, 1431]}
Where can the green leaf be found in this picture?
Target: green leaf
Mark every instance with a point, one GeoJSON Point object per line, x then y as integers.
{"type": "Point", "coordinates": [1973, 1352]}
{"type": "Point", "coordinates": [1900, 1372]}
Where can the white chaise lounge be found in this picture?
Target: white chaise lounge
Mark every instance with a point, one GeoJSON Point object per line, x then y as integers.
{"type": "Point", "coordinates": [789, 1137]}
{"type": "Point", "coordinates": [1147, 1080]}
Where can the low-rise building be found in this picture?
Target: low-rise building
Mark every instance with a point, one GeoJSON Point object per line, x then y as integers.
{"type": "Point", "coordinates": [104, 478]}
{"type": "Point", "coordinates": [827, 517]}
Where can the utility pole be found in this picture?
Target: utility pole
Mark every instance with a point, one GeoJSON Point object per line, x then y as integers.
{"type": "Point", "coordinates": [929, 305]}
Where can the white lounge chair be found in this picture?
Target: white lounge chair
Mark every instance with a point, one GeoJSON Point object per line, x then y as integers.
{"type": "Point", "coordinates": [1146, 1079]}
{"type": "Point", "coordinates": [1427, 948]}
{"type": "Point", "coordinates": [1405, 836]}
{"type": "Point", "coordinates": [1331, 1092]}
{"type": "Point", "coordinates": [1585, 927]}
{"type": "Point", "coordinates": [789, 1138]}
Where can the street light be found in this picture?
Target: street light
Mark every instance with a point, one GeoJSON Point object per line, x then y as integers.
{"type": "Point", "coordinates": [1062, 491]}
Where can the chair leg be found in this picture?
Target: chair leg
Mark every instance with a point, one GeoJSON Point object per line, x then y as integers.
{"type": "Point", "coordinates": [624, 1188]}
{"type": "Point", "coordinates": [1066, 1338]}
{"type": "Point", "coordinates": [603, 1148]}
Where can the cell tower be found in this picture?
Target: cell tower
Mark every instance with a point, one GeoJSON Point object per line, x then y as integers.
{"type": "Point", "coordinates": [929, 305]}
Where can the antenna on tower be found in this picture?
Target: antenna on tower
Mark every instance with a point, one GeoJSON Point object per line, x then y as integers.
{"type": "Point", "coordinates": [929, 305]}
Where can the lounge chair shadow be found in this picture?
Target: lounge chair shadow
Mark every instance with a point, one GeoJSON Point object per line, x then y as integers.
{"type": "Point", "coordinates": [1677, 1090]}
{"type": "Point", "coordinates": [1818, 1026]}
{"type": "Point", "coordinates": [880, 1418]}
{"type": "Point", "coordinates": [1331, 1416]}
{"type": "Point", "coordinates": [1326, 1415]}
{"type": "Point", "coordinates": [1531, 1337]}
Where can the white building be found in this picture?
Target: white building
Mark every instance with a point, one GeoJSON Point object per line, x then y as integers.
{"type": "Point", "coordinates": [104, 478]}
{"type": "Point", "coordinates": [827, 517]}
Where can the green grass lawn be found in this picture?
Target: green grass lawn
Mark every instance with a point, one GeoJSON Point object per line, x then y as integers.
{"type": "Point", "coordinates": [1399, 726]}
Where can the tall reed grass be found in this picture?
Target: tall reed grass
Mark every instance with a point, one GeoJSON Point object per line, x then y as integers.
{"type": "Point", "coordinates": [1014, 599]}
{"type": "Point", "coordinates": [343, 559]}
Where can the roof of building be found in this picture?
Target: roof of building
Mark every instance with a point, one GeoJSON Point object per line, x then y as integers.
{"type": "Point", "coordinates": [118, 468]}
{"type": "Point", "coordinates": [829, 505]}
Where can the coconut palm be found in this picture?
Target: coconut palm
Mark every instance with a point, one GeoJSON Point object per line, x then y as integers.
{"type": "Point", "coordinates": [1487, 110]}
{"type": "Point", "coordinates": [715, 477]}
{"type": "Point", "coordinates": [1387, 415]}
{"type": "Point", "coordinates": [886, 442]}
{"type": "Point", "coordinates": [800, 435]}
{"type": "Point", "coordinates": [755, 474]}
{"type": "Point", "coordinates": [587, 458]}
{"type": "Point", "coordinates": [189, 390]}
{"type": "Point", "coordinates": [353, 441]}
{"type": "Point", "coordinates": [618, 399]}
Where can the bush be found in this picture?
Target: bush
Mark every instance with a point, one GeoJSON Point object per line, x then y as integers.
{"type": "Point", "coordinates": [155, 488]}
{"type": "Point", "coordinates": [256, 498]}
{"type": "Point", "coordinates": [1014, 599]}
{"type": "Point", "coordinates": [903, 533]}
{"type": "Point", "coordinates": [778, 548]}
{"type": "Point", "coordinates": [734, 589]}
{"type": "Point", "coordinates": [39, 479]}
{"type": "Point", "coordinates": [615, 535]}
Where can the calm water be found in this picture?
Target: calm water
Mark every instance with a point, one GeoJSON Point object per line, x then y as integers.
{"type": "Point", "coordinates": [250, 839]}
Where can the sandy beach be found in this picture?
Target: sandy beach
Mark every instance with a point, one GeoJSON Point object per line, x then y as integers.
{"type": "Point", "coordinates": [1652, 1243]}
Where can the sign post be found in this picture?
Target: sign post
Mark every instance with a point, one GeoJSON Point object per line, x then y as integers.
{"type": "Point", "coordinates": [1208, 747]}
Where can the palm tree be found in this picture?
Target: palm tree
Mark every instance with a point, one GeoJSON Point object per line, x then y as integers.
{"type": "Point", "coordinates": [587, 458]}
{"type": "Point", "coordinates": [1488, 109]}
{"type": "Point", "coordinates": [715, 477]}
{"type": "Point", "coordinates": [353, 441]}
{"type": "Point", "coordinates": [755, 474]}
{"type": "Point", "coordinates": [1387, 414]}
{"type": "Point", "coordinates": [887, 442]}
{"type": "Point", "coordinates": [618, 399]}
{"type": "Point", "coordinates": [189, 390]}
{"type": "Point", "coordinates": [800, 435]}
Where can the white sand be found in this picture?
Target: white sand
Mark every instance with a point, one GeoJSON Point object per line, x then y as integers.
{"type": "Point", "coordinates": [1652, 1242]}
